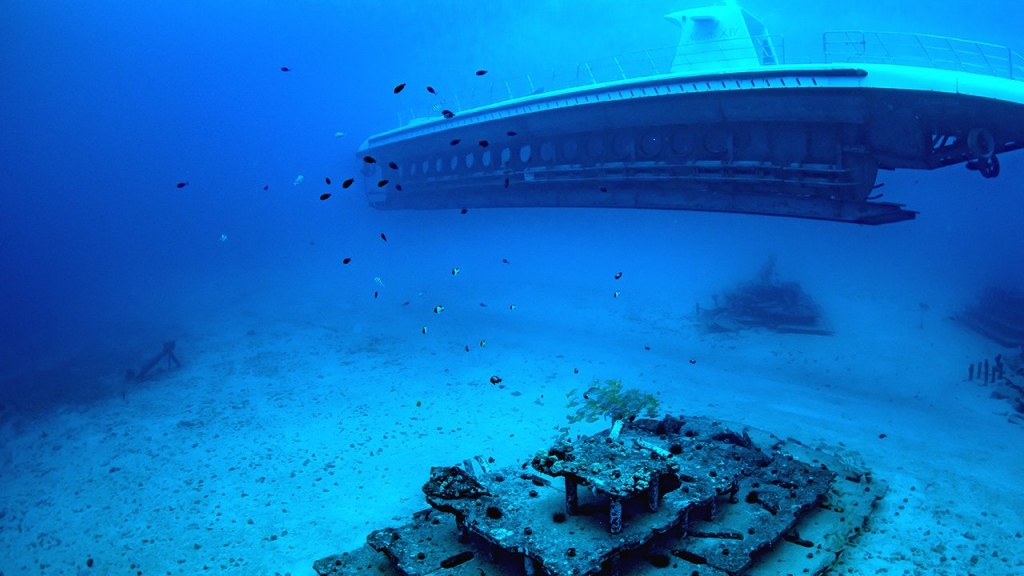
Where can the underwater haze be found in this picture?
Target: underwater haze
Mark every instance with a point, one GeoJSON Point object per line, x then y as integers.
{"type": "Point", "coordinates": [161, 171]}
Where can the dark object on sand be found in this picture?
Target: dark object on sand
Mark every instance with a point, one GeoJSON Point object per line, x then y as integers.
{"type": "Point", "coordinates": [764, 302]}
{"type": "Point", "coordinates": [1007, 378]}
{"type": "Point", "coordinates": [681, 491]}
{"type": "Point", "coordinates": [167, 352]}
{"type": "Point", "coordinates": [998, 316]}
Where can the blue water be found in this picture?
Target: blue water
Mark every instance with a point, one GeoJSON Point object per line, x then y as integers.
{"type": "Point", "coordinates": [106, 105]}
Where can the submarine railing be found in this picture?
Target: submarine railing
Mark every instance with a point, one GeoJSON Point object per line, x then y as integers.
{"type": "Point", "coordinates": [923, 50]}
{"type": "Point", "coordinates": [850, 46]}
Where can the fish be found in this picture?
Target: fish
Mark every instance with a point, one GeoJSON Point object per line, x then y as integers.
{"type": "Point", "coordinates": [511, 133]}
{"type": "Point", "coordinates": [181, 184]}
{"type": "Point", "coordinates": [285, 69]}
{"type": "Point", "coordinates": [438, 309]}
{"type": "Point", "coordinates": [392, 165]}
{"type": "Point", "coordinates": [575, 370]}
{"type": "Point", "coordinates": [398, 187]}
{"type": "Point", "coordinates": [369, 159]}
{"type": "Point", "coordinates": [481, 72]}
{"type": "Point", "coordinates": [511, 306]}
{"type": "Point", "coordinates": [484, 143]}
{"type": "Point", "coordinates": [483, 343]}
{"type": "Point", "coordinates": [618, 275]}
{"type": "Point", "coordinates": [616, 294]}
{"type": "Point", "coordinates": [382, 183]}
{"type": "Point", "coordinates": [467, 347]}
{"type": "Point", "coordinates": [375, 293]}
{"type": "Point", "coordinates": [406, 303]}
{"type": "Point", "coordinates": [454, 142]}
{"type": "Point", "coordinates": [348, 182]}
{"type": "Point", "coordinates": [505, 261]}
{"type": "Point", "coordinates": [692, 361]}
{"type": "Point", "coordinates": [267, 187]}
{"type": "Point", "coordinates": [431, 90]}
{"type": "Point", "coordinates": [463, 211]}
{"type": "Point", "coordinates": [447, 113]}
{"type": "Point", "coordinates": [424, 330]}
{"type": "Point", "coordinates": [506, 182]}
{"type": "Point", "coordinates": [383, 237]}
{"type": "Point", "coordinates": [400, 87]}
{"type": "Point", "coordinates": [482, 305]}
{"type": "Point", "coordinates": [346, 260]}
{"type": "Point", "coordinates": [328, 180]}
{"type": "Point", "coordinates": [455, 271]}
{"type": "Point", "coordinates": [339, 134]}
{"type": "Point", "coordinates": [495, 379]}
{"type": "Point", "coordinates": [603, 189]}
{"type": "Point", "coordinates": [325, 196]}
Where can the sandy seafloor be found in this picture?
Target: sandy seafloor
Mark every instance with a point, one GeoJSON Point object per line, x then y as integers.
{"type": "Point", "coordinates": [288, 435]}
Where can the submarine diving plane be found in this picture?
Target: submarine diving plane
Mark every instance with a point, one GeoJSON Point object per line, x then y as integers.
{"type": "Point", "coordinates": [720, 122]}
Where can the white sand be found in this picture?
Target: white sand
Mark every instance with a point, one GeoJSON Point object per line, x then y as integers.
{"type": "Point", "coordinates": [273, 448]}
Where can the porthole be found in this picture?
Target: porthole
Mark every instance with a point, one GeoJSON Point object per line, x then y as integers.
{"type": "Point", "coordinates": [438, 165]}
{"type": "Point", "coordinates": [412, 169]}
{"type": "Point", "coordinates": [469, 160]}
{"type": "Point", "coordinates": [622, 146]}
{"type": "Point", "coordinates": [426, 166]}
{"type": "Point", "coordinates": [506, 156]}
{"type": "Point", "coordinates": [650, 145]}
{"type": "Point", "coordinates": [595, 147]}
{"type": "Point", "coordinates": [454, 163]}
{"type": "Point", "coordinates": [570, 148]}
{"type": "Point", "coordinates": [525, 153]}
{"type": "Point", "coordinates": [682, 143]}
{"type": "Point", "coordinates": [485, 159]}
{"type": "Point", "coordinates": [547, 152]}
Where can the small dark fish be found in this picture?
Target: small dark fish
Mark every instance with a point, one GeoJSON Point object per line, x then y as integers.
{"type": "Point", "coordinates": [505, 261]}
{"type": "Point", "coordinates": [398, 187]}
{"type": "Point", "coordinates": [467, 347]}
{"type": "Point", "coordinates": [406, 303]}
{"type": "Point", "coordinates": [454, 142]}
{"type": "Point", "coordinates": [400, 87]}
{"type": "Point", "coordinates": [575, 370]}
{"type": "Point", "coordinates": [495, 379]}
{"type": "Point", "coordinates": [369, 159]}
{"type": "Point", "coordinates": [431, 90]}
{"type": "Point", "coordinates": [484, 143]}
{"type": "Point", "coordinates": [618, 275]}
{"type": "Point", "coordinates": [382, 183]}
{"type": "Point", "coordinates": [328, 180]}
{"type": "Point", "coordinates": [463, 211]}
{"type": "Point", "coordinates": [481, 72]}
{"type": "Point", "coordinates": [267, 187]}
{"type": "Point", "coordinates": [447, 113]}
{"type": "Point", "coordinates": [285, 69]}
{"type": "Point", "coordinates": [325, 196]}
{"type": "Point", "coordinates": [348, 182]}
{"type": "Point", "coordinates": [346, 260]}
{"type": "Point", "coordinates": [392, 165]}
{"type": "Point", "coordinates": [877, 186]}
{"type": "Point", "coordinates": [647, 346]}
{"type": "Point", "coordinates": [383, 237]}
{"type": "Point", "coordinates": [511, 133]}
{"type": "Point", "coordinates": [603, 189]}
{"type": "Point", "coordinates": [692, 361]}
{"type": "Point", "coordinates": [311, 243]}
{"type": "Point", "coordinates": [482, 305]}
{"type": "Point", "coordinates": [375, 293]}
{"type": "Point", "coordinates": [182, 184]}
{"type": "Point", "coordinates": [506, 182]}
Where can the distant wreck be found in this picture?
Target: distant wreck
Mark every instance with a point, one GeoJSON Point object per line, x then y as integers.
{"type": "Point", "coordinates": [687, 494]}
{"type": "Point", "coordinates": [764, 302]}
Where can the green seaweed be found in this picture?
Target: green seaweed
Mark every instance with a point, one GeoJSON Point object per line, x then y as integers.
{"type": "Point", "coordinates": [611, 401]}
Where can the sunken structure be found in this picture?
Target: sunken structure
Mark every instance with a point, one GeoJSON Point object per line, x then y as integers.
{"type": "Point", "coordinates": [679, 495]}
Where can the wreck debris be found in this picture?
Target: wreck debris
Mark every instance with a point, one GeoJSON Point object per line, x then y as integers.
{"type": "Point", "coordinates": [685, 492]}
{"type": "Point", "coordinates": [764, 302]}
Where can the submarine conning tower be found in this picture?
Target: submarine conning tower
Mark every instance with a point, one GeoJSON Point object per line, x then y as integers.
{"type": "Point", "coordinates": [715, 37]}
{"type": "Point", "coordinates": [719, 122]}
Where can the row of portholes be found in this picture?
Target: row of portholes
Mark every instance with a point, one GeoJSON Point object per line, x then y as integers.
{"type": "Point", "coordinates": [620, 147]}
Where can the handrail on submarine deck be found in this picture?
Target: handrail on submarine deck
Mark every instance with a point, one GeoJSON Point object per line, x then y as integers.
{"type": "Point", "coordinates": [849, 46]}
{"type": "Point", "coordinates": [924, 51]}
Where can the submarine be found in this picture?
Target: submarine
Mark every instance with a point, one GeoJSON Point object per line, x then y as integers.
{"type": "Point", "coordinates": [720, 122]}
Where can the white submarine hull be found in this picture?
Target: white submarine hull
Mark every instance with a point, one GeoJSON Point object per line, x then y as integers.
{"type": "Point", "coordinates": [802, 141]}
